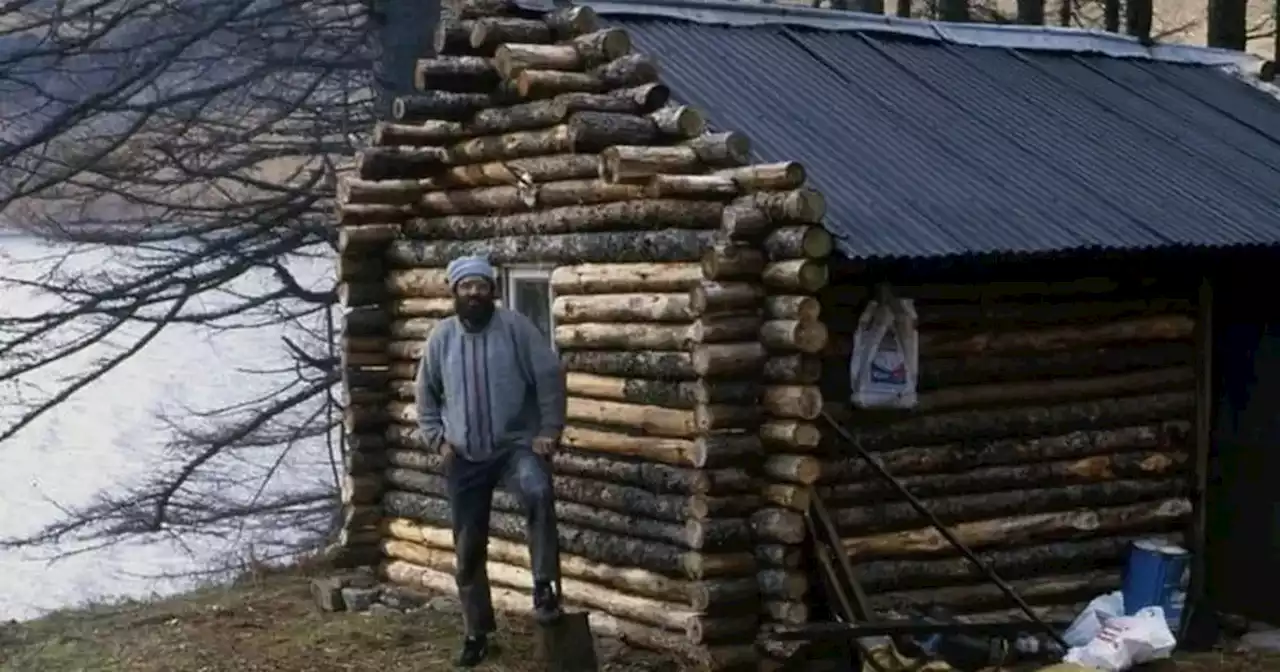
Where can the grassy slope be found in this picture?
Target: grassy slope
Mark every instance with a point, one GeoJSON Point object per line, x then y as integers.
{"type": "Point", "coordinates": [268, 623]}
{"type": "Point", "coordinates": [263, 624]}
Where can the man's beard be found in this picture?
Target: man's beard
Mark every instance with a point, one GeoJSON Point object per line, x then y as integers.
{"type": "Point", "coordinates": [473, 311]}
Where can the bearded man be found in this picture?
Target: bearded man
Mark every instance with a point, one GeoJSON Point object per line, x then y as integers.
{"type": "Point", "coordinates": [491, 396]}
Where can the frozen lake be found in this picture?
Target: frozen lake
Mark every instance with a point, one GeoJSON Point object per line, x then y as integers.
{"type": "Point", "coordinates": [109, 434]}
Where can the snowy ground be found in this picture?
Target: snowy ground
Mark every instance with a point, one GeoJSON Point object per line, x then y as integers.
{"type": "Point", "coordinates": [105, 435]}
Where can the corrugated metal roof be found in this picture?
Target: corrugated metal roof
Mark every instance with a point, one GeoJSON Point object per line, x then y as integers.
{"type": "Point", "coordinates": [925, 148]}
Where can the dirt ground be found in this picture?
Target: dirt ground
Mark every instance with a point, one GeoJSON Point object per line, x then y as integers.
{"type": "Point", "coordinates": [270, 624]}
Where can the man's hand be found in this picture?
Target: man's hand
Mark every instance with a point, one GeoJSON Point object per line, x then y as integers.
{"type": "Point", "coordinates": [545, 445]}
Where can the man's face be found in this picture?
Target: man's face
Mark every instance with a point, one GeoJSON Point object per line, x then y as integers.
{"type": "Point", "coordinates": [473, 297]}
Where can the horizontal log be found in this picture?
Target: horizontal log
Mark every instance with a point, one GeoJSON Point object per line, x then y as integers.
{"type": "Point", "coordinates": [800, 369]}
{"type": "Point", "coordinates": [396, 193]}
{"type": "Point", "coordinates": [668, 245]}
{"type": "Point", "coordinates": [359, 516]}
{"type": "Point", "coordinates": [367, 237]}
{"type": "Point", "coordinates": [629, 70]}
{"type": "Point", "coordinates": [654, 477]}
{"type": "Point", "coordinates": [624, 335]}
{"type": "Point", "coordinates": [779, 556]}
{"type": "Point", "coordinates": [625, 278]}
{"type": "Point", "coordinates": [798, 469]}
{"type": "Point", "coordinates": [426, 283]}
{"type": "Point", "coordinates": [364, 321]}
{"type": "Point", "coordinates": [980, 425]}
{"type": "Point", "coordinates": [1093, 469]}
{"type": "Point", "coordinates": [732, 261]}
{"type": "Point", "coordinates": [389, 163]}
{"type": "Point", "coordinates": [693, 535]}
{"type": "Point", "coordinates": [792, 401]}
{"type": "Point", "coordinates": [783, 611]}
{"type": "Point", "coordinates": [636, 164]}
{"type": "Point", "coordinates": [983, 369]}
{"type": "Point", "coordinates": [361, 490]}
{"type": "Point", "coordinates": [776, 525]}
{"type": "Point", "coordinates": [703, 452]}
{"type": "Point", "coordinates": [657, 365]}
{"type": "Point", "coordinates": [709, 298]}
{"type": "Point", "coordinates": [766, 176]}
{"type": "Point", "coordinates": [1057, 391]}
{"type": "Point", "coordinates": [359, 268]}
{"type": "Point", "coordinates": [1052, 589]}
{"type": "Point", "coordinates": [459, 74]}
{"type": "Point", "coordinates": [788, 496]}
{"type": "Point", "coordinates": [710, 595]}
{"type": "Point", "coordinates": [648, 420]}
{"type": "Point", "coordinates": [1025, 529]}
{"type": "Point", "coordinates": [883, 517]}
{"type": "Point", "coordinates": [728, 360]}
{"type": "Point", "coordinates": [670, 394]}
{"type": "Point", "coordinates": [794, 336]}
{"type": "Point", "coordinates": [798, 307]}
{"type": "Point", "coordinates": [798, 242]}
{"type": "Point", "coordinates": [512, 600]}
{"type": "Point", "coordinates": [792, 435]}
{"type": "Point", "coordinates": [778, 584]}
{"type": "Point", "coordinates": [514, 159]}
{"type": "Point", "coordinates": [795, 276]}
{"type": "Point", "coordinates": [668, 615]}
{"type": "Point", "coordinates": [528, 116]}
{"type": "Point", "coordinates": [624, 215]}
{"type": "Point", "coordinates": [678, 122]}
{"type": "Point", "coordinates": [622, 308]}
{"type": "Point", "coordinates": [1166, 437]}
{"type": "Point", "coordinates": [585, 51]}
{"type": "Point", "coordinates": [984, 292]}
{"type": "Point", "coordinates": [1155, 328]}
{"type": "Point", "coordinates": [523, 197]}
{"type": "Point", "coordinates": [1010, 563]}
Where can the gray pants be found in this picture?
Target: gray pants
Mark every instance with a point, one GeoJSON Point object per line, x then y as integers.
{"type": "Point", "coordinates": [471, 486]}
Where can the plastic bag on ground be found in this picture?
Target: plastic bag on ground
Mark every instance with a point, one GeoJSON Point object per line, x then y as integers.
{"type": "Point", "coordinates": [1126, 641]}
{"type": "Point", "coordinates": [1089, 623]}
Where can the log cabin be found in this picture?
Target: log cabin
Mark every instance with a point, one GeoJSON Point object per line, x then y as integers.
{"type": "Point", "coordinates": [695, 199]}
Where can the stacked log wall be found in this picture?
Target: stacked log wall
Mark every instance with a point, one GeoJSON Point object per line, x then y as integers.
{"type": "Point", "coordinates": [774, 249]}
{"type": "Point", "coordinates": [1053, 428]}
{"type": "Point", "coordinates": [364, 334]}
{"type": "Point", "coordinates": [541, 138]}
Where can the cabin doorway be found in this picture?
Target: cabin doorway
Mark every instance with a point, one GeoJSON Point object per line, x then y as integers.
{"type": "Point", "coordinates": [1242, 553]}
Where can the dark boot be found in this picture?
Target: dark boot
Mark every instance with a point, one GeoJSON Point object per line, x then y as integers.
{"type": "Point", "coordinates": [546, 603]}
{"type": "Point", "coordinates": [474, 651]}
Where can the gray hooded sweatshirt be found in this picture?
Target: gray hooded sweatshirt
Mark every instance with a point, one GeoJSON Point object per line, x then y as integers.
{"type": "Point", "coordinates": [494, 389]}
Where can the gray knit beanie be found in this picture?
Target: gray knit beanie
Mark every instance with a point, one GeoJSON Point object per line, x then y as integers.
{"type": "Point", "coordinates": [463, 267]}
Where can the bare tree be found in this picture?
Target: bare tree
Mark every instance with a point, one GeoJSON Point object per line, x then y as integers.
{"type": "Point", "coordinates": [180, 157]}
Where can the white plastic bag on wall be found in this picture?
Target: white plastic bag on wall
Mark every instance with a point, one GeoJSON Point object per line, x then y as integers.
{"type": "Point", "coordinates": [883, 367]}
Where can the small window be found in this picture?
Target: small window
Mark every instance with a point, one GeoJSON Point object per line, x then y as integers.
{"type": "Point", "coordinates": [527, 289]}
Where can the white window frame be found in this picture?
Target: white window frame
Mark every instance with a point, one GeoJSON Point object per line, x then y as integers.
{"type": "Point", "coordinates": [536, 272]}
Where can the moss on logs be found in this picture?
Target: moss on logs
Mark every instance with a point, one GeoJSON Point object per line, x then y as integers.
{"type": "Point", "coordinates": [656, 477]}
{"type": "Point", "coordinates": [709, 298]}
{"type": "Point", "coordinates": [656, 365]}
{"type": "Point", "coordinates": [724, 534]}
{"type": "Point", "coordinates": [986, 505]}
{"type": "Point", "coordinates": [798, 242]}
{"type": "Point", "coordinates": [1009, 563]}
{"type": "Point", "coordinates": [1025, 529]}
{"type": "Point", "coordinates": [625, 71]}
{"type": "Point", "coordinates": [979, 425]}
{"type": "Point", "coordinates": [687, 395]}
{"type": "Point", "coordinates": [727, 360]}
{"type": "Point", "coordinates": [795, 369]}
{"type": "Point", "coordinates": [625, 278]}
{"type": "Point", "coordinates": [1092, 469]}
{"type": "Point", "coordinates": [460, 74]}
{"type": "Point", "coordinates": [627, 215]}
{"type": "Point", "coordinates": [669, 245]}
